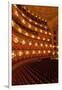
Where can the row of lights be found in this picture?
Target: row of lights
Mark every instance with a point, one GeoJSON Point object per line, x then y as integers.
{"type": "Point", "coordinates": [30, 20]}
{"type": "Point", "coordinates": [30, 26]}
{"type": "Point", "coordinates": [27, 52]}
{"type": "Point", "coordinates": [32, 36]}
{"type": "Point", "coordinates": [30, 43]}
{"type": "Point", "coordinates": [41, 31]}
{"type": "Point", "coordinates": [34, 15]}
{"type": "Point", "coordinates": [23, 21]}
{"type": "Point", "coordinates": [36, 29]}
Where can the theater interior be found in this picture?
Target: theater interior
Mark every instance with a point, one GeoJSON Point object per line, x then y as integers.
{"type": "Point", "coordinates": [34, 44]}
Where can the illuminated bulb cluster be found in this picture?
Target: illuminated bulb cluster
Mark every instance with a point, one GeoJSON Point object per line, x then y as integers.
{"type": "Point", "coordinates": [53, 53]}
{"type": "Point", "coordinates": [49, 33]}
{"type": "Point", "coordinates": [44, 51]}
{"type": "Point", "coordinates": [36, 16]}
{"type": "Point", "coordinates": [32, 13]}
{"type": "Point", "coordinates": [23, 21]}
{"type": "Point", "coordinates": [45, 32]}
{"type": "Point", "coordinates": [30, 20]}
{"type": "Point", "coordinates": [33, 52]}
{"type": "Point", "coordinates": [46, 45]}
{"type": "Point", "coordinates": [50, 45]}
{"type": "Point", "coordinates": [30, 43]}
{"type": "Point", "coordinates": [39, 51]}
{"type": "Point", "coordinates": [45, 20]}
{"type": "Point", "coordinates": [41, 44]}
{"type": "Point", "coordinates": [49, 51]}
{"type": "Point", "coordinates": [35, 29]}
{"type": "Point", "coordinates": [38, 37]}
{"type": "Point", "coordinates": [26, 34]}
{"type": "Point", "coordinates": [36, 23]}
{"type": "Point", "coordinates": [53, 46]}
{"type": "Point", "coordinates": [45, 27]}
{"type": "Point", "coordinates": [41, 25]}
{"type": "Point", "coordinates": [27, 52]}
{"type": "Point", "coordinates": [20, 53]}
{"type": "Point", "coordinates": [16, 13]}
{"type": "Point", "coordinates": [29, 25]}
{"type": "Point", "coordinates": [32, 36]}
{"type": "Point", "coordinates": [42, 19]}
{"type": "Point", "coordinates": [13, 54]}
{"type": "Point", "coordinates": [36, 44]}
{"type": "Point", "coordinates": [43, 39]}
{"type": "Point", "coordinates": [40, 31]}
{"type": "Point", "coordinates": [48, 40]}
{"type": "Point", "coordinates": [23, 14]}
{"type": "Point", "coordinates": [39, 17]}
{"type": "Point", "coordinates": [23, 42]}
{"type": "Point", "coordinates": [19, 30]}
{"type": "Point", "coordinates": [16, 40]}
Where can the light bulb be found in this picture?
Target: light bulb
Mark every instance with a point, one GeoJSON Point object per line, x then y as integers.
{"type": "Point", "coordinates": [32, 36]}
{"type": "Point", "coordinates": [46, 45]}
{"type": "Point", "coordinates": [38, 37]}
{"type": "Point", "coordinates": [49, 51]}
{"type": "Point", "coordinates": [29, 25]}
{"type": "Point", "coordinates": [39, 51]}
{"type": "Point", "coordinates": [27, 52]}
{"type": "Point", "coordinates": [41, 25]}
{"type": "Point", "coordinates": [49, 33]}
{"type": "Point", "coordinates": [35, 29]}
{"type": "Point", "coordinates": [20, 53]}
{"type": "Point", "coordinates": [45, 32]}
{"type": "Point", "coordinates": [19, 30]}
{"type": "Point", "coordinates": [16, 13]}
{"type": "Point", "coordinates": [45, 27]}
{"type": "Point", "coordinates": [48, 40]}
{"type": "Point", "coordinates": [23, 42]}
{"type": "Point", "coordinates": [36, 44]}
{"type": "Point", "coordinates": [30, 43]}
{"type": "Point", "coordinates": [40, 31]}
{"type": "Point", "coordinates": [33, 52]}
{"type": "Point", "coordinates": [50, 45]}
{"type": "Point", "coordinates": [16, 40]}
{"type": "Point", "coordinates": [36, 16]}
{"type": "Point", "coordinates": [23, 14]}
{"type": "Point", "coordinates": [30, 20]}
{"type": "Point", "coordinates": [44, 51]}
{"type": "Point", "coordinates": [23, 21]}
{"type": "Point", "coordinates": [41, 44]}
{"type": "Point", "coordinates": [39, 17]}
{"type": "Point", "coordinates": [13, 54]}
{"type": "Point", "coordinates": [43, 38]}
{"type": "Point", "coordinates": [36, 23]}
{"type": "Point", "coordinates": [53, 53]}
{"type": "Point", "coordinates": [26, 34]}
